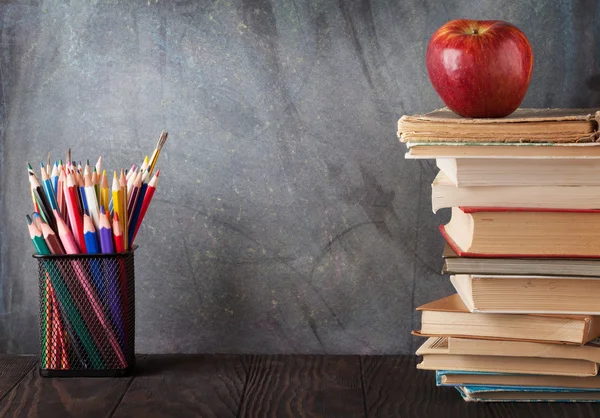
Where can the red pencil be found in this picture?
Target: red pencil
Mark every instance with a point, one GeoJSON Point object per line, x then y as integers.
{"type": "Point", "coordinates": [118, 233]}
{"type": "Point", "coordinates": [72, 200]}
{"type": "Point", "coordinates": [147, 199]}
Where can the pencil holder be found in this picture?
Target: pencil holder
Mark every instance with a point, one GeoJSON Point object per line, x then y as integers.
{"type": "Point", "coordinates": [87, 314]}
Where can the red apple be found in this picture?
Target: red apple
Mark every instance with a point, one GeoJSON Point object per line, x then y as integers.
{"type": "Point", "coordinates": [480, 68]}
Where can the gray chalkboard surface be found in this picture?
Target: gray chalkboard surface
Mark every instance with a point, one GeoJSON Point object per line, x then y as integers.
{"type": "Point", "coordinates": [286, 220]}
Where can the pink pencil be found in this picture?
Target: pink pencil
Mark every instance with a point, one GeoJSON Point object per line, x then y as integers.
{"type": "Point", "coordinates": [71, 248]}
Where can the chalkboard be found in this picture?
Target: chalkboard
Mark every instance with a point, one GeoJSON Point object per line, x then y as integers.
{"type": "Point", "coordinates": [286, 219]}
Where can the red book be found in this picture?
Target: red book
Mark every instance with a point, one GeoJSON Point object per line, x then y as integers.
{"type": "Point", "coordinates": [523, 232]}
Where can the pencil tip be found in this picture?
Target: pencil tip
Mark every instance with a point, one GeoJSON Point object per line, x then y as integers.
{"type": "Point", "coordinates": [29, 221]}
{"type": "Point", "coordinates": [157, 172]}
{"type": "Point", "coordinates": [29, 166]}
{"type": "Point", "coordinates": [42, 165]}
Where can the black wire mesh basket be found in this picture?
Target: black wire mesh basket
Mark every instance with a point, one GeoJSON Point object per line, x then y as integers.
{"type": "Point", "coordinates": [87, 314]}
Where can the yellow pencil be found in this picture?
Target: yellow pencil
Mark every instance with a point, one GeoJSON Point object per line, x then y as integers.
{"type": "Point", "coordinates": [116, 196]}
{"type": "Point", "coordinates": [123, 203]}
{"type": "Point", "coordinates": [156, 153]}
{"type": "Point", "coordinates": [104, 193]}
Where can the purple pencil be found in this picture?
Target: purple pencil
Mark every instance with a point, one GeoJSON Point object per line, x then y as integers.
{"type": "Point", "coordinates": [105, 232]}
{"type": "Point", "coordinates": [111, 276]}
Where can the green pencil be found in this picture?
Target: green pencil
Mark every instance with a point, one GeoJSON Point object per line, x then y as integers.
{"type": "Point", "coordinates": [67, 303]}
{"type": "Point", "coordinates": [41, 248]}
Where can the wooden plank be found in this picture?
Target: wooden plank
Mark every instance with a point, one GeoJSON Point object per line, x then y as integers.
{"type": "Point", "coordinates": [186, 386]}
{"type": "Point", "coordinates": [303, 386]}
{"type": "Point", "coordinates": [12, 370]}
{"type": "Point", "coordinates": [36, 396]}
{"type": "Point", "coordinates": [394, 387]}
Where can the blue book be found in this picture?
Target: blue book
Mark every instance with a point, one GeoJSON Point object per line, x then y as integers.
{"type": "Point", "coordinates": [526, 394]}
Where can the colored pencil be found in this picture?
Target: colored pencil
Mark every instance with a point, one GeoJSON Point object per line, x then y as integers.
{"type": "Point", "coordinates": [89, 233]}
{"type": "Point", "coordinates": [49, 190]}
{"type": "Point", "coordinates": [48, 166]}
{"type": "Point", "coordinates": [60, 193]}
{"type": "Point", "coordinates": [54, 178]}
{"type": "Point", "coordinates": [62, 330]}
{"type": "Point", "coordinates": [98, 165]}
{"type": "Point", "coordinates": [41, 248]}
{"type": "Point", "coordinates": [111, 277]}
{"type": "Point", "coordinates": [93, 247]}
{"type": "Point", "coordinates": [75, 218]}
{"type": "Point", "coordinates": [96, 183]}
{"type": "Point", "coordinates": [123, 213]}
{"type": "Point", "coordinates": [29, 173]}
{"type": "Point", "coordinates": [144, 166]}
{"type": "Point", "coordinates": [104, 191]}
{"type": "Point", "coordinates": [92, 202]}
{"type": "Point", "coordinates": [67, 238]}
{"type": "Point", "coordinates": [131, 171]}
{"type": "Point", "coordinates": [105, 233]}
{"type": "Point", "coordinates": [147, 199]}
{"type": "Point", "coordinates": [44, 207]}
{"type": "Point", "coordinates": [137, 209]}
{"type": "Point", "coordinates": [52, 240]}
{"type": "Point", "coordinates": [133, 196]}
{"type": "Point", "coordinates": [156, 153]}
{"type": "Point", "coordinates": [130, 178]}
{"type": "Point", "coordinates": [37, 220]}
{"type": "Point", "coordinates": [81, 188]}
{"type": "Point", "coordinates": [118, 233]}
{"type": "Point", "coordinates": [116, 198]}
{"type": "Point", "coordinates": [57, 345]}
{"type": "Point", "coordinates": [91, 297]}
{"type": "Point", "coordinates": [54, 341]}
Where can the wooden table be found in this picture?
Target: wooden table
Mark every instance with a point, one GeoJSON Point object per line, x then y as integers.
{"type": "Point", "coordinates": [223, 386]}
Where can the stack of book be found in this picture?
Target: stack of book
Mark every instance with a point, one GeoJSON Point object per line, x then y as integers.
{"type": "Point", "coordinates": [522, 251]}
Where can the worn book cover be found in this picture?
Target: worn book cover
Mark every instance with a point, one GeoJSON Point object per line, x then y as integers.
{"type": "Point", "coordinates": [524, 125]}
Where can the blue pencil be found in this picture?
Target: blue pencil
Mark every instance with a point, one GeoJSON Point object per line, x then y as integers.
{"type": "Point", "coordinates": [111, 277]}
{"type": "Point", "coordinates": [54, 177]}
{"type": "Point", "coordinates": [92, 247]}
{"type": "Point", "coordinates": [48, 190]}
{"type": "Point", "coordinates": [137, 210]}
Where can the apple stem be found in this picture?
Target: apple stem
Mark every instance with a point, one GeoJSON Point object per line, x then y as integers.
{"type": "Point", "coordinates": [474, 31]}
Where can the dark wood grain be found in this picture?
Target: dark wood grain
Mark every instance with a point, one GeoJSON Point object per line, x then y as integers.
{"type": "Point", "coordinates": [303, 386]}
{"type": "Point", "coordinates": [36, 396]}
{"type": "Point", "coordinates": [222, 386]}
{"type": "Point", "coordinates": [186, 386]}
{"type": "Point", "coordinates": [395, 388]}
{"type": "Point", "coordinates": [12, 370]}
